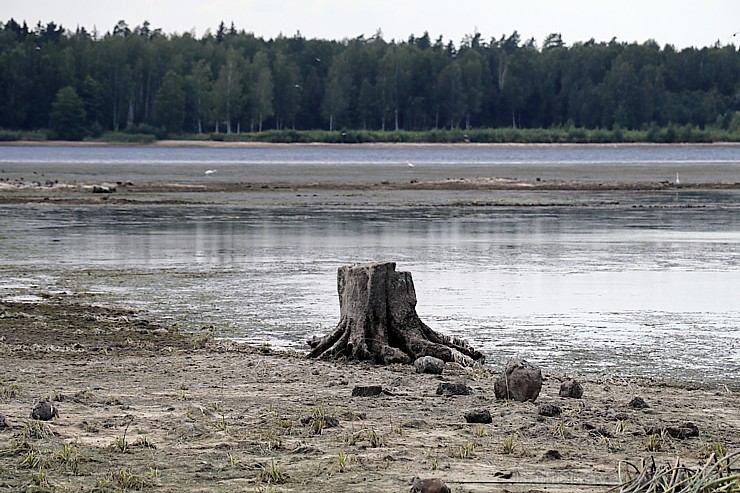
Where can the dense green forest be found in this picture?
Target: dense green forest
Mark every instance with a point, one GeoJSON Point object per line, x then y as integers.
{"type": "Point", "coordinates": [77, 84]}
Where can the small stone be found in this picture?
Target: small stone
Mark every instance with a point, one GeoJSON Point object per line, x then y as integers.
{"type": "Point", "coordinates": [572, 389]}
{"type": "Point", "coordinates": [600, 433]}
{"type": "Point", "coordinates": [44, 411]}
{"type": "Point", "coordinates": [432, 485]}
{"type": "Point", "coordinates": [521, 381]}
{"type": "Point", "coordinates": [638, 403]}
{"type": "Point", "coordinates": [447, 389]}
{"type": "Point", "coordinates": [320, 422]}
{"type": "Point", "coordinates": [479, 416]}
{"type": "Point", "coordinates": [680, 432]}
{"type": "Point", "coordinates": [552, 455]}
{"type": "Point", "coordinates": [617, 415]}
{"type": "Point", "coordinates": [549, 410]}
{"type": "Point", "coordinates": [686, 430]}
{"type": "Point", "coordinates": [367, 390]}
{"type": "Point", "coordinates": [418, 424]}
{"type": "Point", "coordinates": [429, 364]}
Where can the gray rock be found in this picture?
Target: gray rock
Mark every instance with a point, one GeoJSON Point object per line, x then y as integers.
{"type": "Point", "coordinates": [367, 390]}
{"type": "Point", "coordinates": [44, 411]}
{"type": "Point", "coordinates": [103, 189]}
{"type": "Point", "coordinates": [549, 410]}
{"type": "Point", "coordinates": [521, 381]}
{"type": "Point", "coordinates": [429, 364]}
{"type": "Point", "coordinates": [553, 454]}
{"type": "Point", "coordinates": [638, 403]}
{"type": "Point", "coordinates": [572, 389]}
{"type": "Point", "coordinates": [680, 432]}
{"type": "Point", "coordinates": [432, 485]}
{"type": "Point", "coordinates": [448, 389]}
{"type": "Point", "coordinates": [482, 416]}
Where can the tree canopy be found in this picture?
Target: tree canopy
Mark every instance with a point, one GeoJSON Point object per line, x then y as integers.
{"type": "Point", "coordinates": [233, 81]}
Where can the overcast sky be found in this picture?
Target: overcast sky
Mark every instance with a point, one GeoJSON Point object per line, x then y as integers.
{"type": "Point", "coordinates": [681, 23]}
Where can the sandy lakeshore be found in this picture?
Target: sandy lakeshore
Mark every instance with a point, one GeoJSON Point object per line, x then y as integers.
{"type": "Point", "coordinates": [145, 405]}
{"type": "Point", "coordinates": [142, 406]}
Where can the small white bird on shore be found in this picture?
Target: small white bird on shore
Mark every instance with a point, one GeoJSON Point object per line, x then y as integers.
{"type": "Point", "coordinates": [678, 180]}
{"type": "Point", "coordinates": [410, 164]}
{"type": "Point", "coordinates": [211, 171]}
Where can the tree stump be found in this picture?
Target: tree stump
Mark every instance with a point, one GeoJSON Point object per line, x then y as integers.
{"type": "Point", "coordinates": [378, 321]}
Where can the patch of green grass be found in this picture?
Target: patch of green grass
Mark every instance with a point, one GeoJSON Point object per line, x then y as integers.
{"type": "Point", "coordinates": [655, 442]}
{"type": "Point", "coordinates": [509, 444]}
{"type": "Point", "coordinates": [220, 424]}
{"type": "Point", "coordinates": [36, 430]}
{"type": "Point", "coordinates": [466, 450]}
{"type": "Point", "coordinates": [121, 443]}
{"type": "Point", "coordinates": [344, 460]}
{"type": "Point", "coordinates": [8, 391]}
{"type": "Point", "coordinates": [40, 478]}
{"type": "Point", "coordinates": [69, 457]}
{"type": "Point", "coordinates": [32, 459]}
{"type": "Point", "coordinates": [125, 479]}
{"type": "Point", "coordinates": [273, 473]}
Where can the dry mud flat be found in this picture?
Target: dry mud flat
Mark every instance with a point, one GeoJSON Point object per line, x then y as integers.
{"type": "Point", "coordinates": [144, 407]}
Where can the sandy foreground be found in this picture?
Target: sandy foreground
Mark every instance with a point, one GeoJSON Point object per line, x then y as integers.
{"type": "Point", "coordinates": [142, 406]}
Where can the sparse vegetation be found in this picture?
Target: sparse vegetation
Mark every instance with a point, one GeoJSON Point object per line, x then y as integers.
{"type": "Point", "coordinates": [343, 460]}
{"type": "Point", "coordinates": [125, 479]}
{"type": "Point", "coordinates": [509, 444]}
{"type": "Point", "coordinates": [36, 430]}
{"type": "Point", "coordinates": [466, 450]}
{"type": "Point", "coordinates": [8, 390]}
{"type": "Point", "coordinates": [375, 445]}
{"type": "Point", "coordinates": [719, 474]}
{"type": "Point", "coordinates": [273, 473]}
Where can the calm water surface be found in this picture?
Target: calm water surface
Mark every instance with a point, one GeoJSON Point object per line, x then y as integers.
{"type": "Point", "coordinates": [616, 290]}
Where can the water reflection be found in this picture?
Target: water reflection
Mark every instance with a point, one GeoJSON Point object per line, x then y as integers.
{"type": "Point", "coordinates": [578, 290]}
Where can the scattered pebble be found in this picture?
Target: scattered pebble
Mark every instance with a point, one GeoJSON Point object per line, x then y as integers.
{"type": "Point", "coordinates": [552, 455]}
{"type": "Point", "coordinates": [680, 432]}
{"type": "Point", "coordinates": [478, 416]}
{"type": "Point", "coordinates": [638, 403]}
{"type": "Point", "coordinates": [572, 389]}
{"type": "Point", "coordinates": [448, 389]}
{"type": "Point", "coordinates": [429, 364]}
{"type": "Point", "coordinates": [367, 390]}
{"type": "Point", "coordinates": [432, 485]}
{"type": "Point", "coordinates": [549, 410]}
{"type": "Point", "coordinates": [44, 411]}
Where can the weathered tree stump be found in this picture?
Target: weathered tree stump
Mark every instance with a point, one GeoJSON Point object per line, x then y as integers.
{"type": "Point", "coordinates": [378, 321]}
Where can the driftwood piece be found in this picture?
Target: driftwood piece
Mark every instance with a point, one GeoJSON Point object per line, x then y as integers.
{"type": "Point", "coordinates": [378, 321]}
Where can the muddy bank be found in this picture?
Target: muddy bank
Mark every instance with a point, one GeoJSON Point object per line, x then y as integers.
{"type": "Point", "coordinates": [141, 404]}
{"type": "Point", "coordinates": [459, 192]}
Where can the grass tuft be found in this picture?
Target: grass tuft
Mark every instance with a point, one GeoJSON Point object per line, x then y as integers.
{"type": "Point", "coordinates": [36, 430]}
{"type": "Point", "coordinates": [273, 473]}
{"type": "Point", "coordinates": [719, 474]}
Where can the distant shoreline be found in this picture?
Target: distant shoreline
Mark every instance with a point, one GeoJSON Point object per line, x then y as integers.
{"type": "Point", "coordinates": [367, 145]}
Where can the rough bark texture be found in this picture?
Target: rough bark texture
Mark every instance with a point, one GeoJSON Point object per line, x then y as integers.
{"type": "Point", "coordinates": [379, 321]}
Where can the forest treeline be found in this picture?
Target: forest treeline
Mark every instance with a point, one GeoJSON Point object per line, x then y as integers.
{"type": "Point", "coordinates": [77, 84]}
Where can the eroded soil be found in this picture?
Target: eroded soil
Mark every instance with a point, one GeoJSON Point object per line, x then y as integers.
{"type": "Point", "coordinates": [144, 406]}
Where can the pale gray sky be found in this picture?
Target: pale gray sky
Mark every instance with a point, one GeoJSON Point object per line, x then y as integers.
{"type": "Point", "coordinates": [681, 23]}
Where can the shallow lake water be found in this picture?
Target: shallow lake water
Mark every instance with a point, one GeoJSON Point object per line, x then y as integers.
{"type": "Point", "coordinates": [612, 290]}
